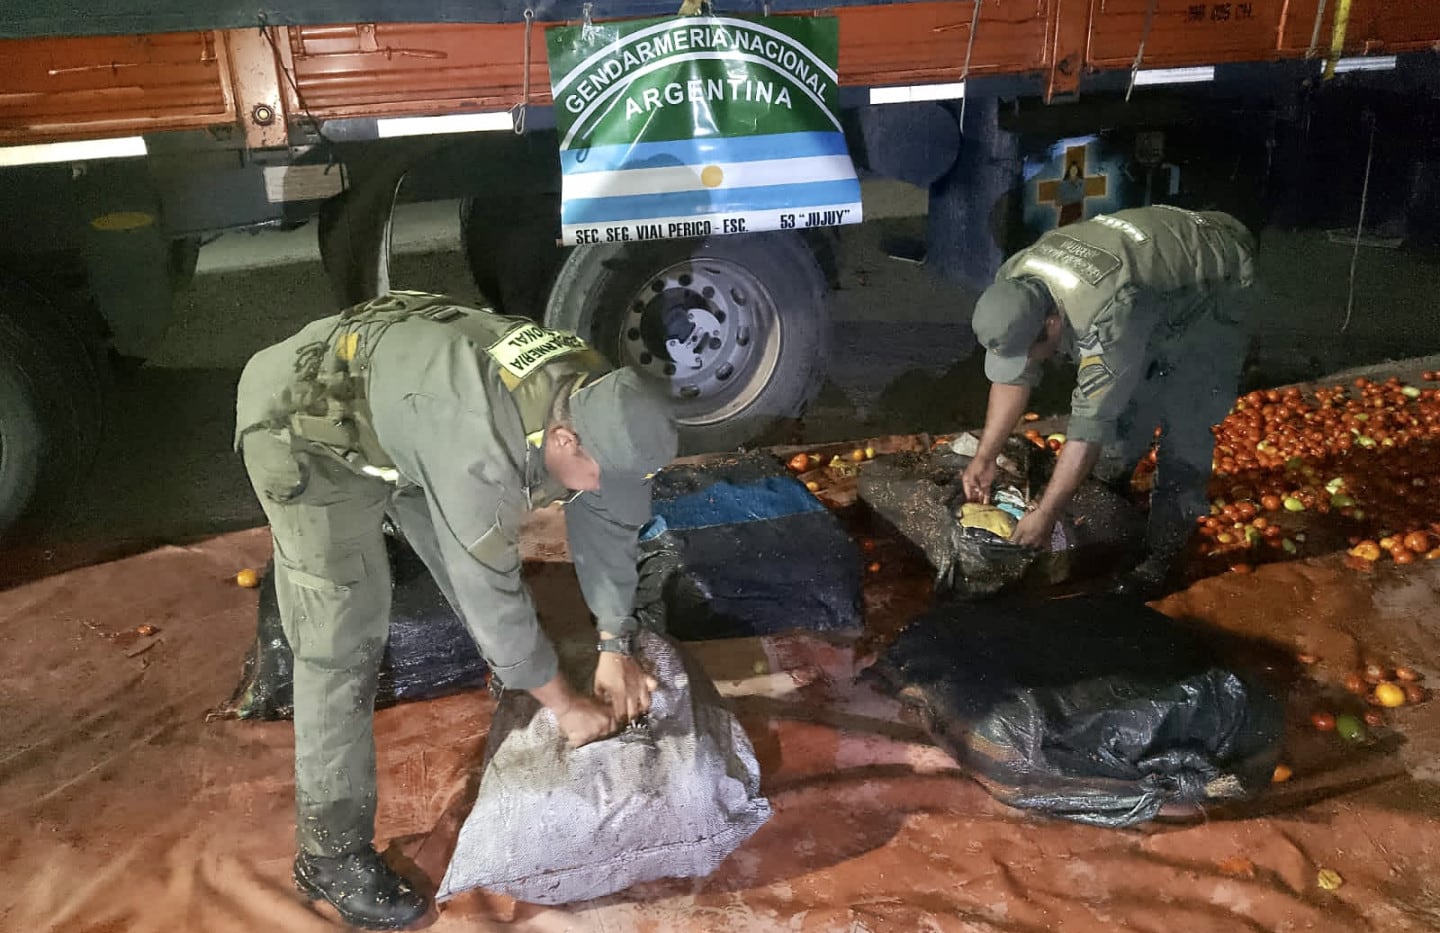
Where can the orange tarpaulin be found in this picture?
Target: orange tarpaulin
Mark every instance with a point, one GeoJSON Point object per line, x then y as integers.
{"type": "Point", "coordinates": [125, 810]}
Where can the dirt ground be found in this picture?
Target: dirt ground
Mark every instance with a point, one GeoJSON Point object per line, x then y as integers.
{"type": "Point", "coordinates": [128, 811]}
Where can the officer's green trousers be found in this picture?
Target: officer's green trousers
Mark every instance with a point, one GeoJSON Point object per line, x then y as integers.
{"type": "Point", "coordinates": [332, 580]}
{"type": "Point", "coordinates": [1189, 388]}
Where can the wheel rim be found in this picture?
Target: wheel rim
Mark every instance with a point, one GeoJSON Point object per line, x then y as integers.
{"type": "Point", "coordinates": [711, 330]}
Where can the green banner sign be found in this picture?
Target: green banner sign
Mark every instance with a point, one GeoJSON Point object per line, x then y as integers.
{"type": "Point", "coordinates": [698, 126]}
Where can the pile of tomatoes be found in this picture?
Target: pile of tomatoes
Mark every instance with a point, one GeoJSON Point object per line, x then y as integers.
{"type": "Point", "coordinates": [1365, 456]}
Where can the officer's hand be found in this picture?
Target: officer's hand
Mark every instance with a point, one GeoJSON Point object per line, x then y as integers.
{"type": "Point", "coordinates": [979, 476]}
{"type": "Point", "coordinates": [584, 720]}
{"type": "Point", "coordinates": [1034, 530]}
{"type": "Point", "coordinates": [623, 683]}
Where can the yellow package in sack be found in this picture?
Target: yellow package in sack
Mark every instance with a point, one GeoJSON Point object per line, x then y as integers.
{"type": "Point", "coordinates": [992, 518]}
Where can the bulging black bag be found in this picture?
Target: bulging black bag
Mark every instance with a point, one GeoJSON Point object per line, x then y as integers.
{"type": "Point", "coordinates": [430, 652]}
{"type": "Point", "coordinates": [1091, 708]}
{"type": "Point", "coordinates": [746, 551]}
{"type": "Point", "coordinates": [742, 548]}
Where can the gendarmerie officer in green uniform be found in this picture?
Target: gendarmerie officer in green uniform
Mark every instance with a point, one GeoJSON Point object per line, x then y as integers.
{"type": "Point", "coordinates": [1150, 304]}
{"type": "Point", "coordinates": [455, 422]}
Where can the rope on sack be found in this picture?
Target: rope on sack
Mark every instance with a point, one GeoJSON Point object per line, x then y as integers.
{"type": "Point", "coordinates": [1360, 224]}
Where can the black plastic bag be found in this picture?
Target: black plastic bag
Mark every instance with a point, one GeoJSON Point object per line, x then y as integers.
{"type": "Point", "coordinates": [750, 552]}
{"type": "Point", "coordinates": [741, 549]}
{"type": "Point", "coordinates": [1091, 708]}
{"type": "Point", "coordinates": [430, 653]}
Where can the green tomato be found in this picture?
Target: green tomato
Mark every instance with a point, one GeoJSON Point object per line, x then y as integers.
{"type": "Point", "coordinates": [1350, 728]}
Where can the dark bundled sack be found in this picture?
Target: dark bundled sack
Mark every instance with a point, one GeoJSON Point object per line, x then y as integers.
{"type": "Point", "coordinates": [921, 495]}
{"type": "Point", "coordinates": [430, 653]}
{"type": "Point", "coordinates": [737, 549]}
{"type": "Point", "coordinates": [1089, 708]}
{"type": "Point", "coordinates": [741, 549]}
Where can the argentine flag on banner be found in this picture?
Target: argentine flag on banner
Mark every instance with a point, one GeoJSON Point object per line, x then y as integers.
{"type": "Point", "coordinates": [699, 125]}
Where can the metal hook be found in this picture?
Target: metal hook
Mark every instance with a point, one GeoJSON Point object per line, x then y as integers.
{"type": "Point", "coordinates": [518, 112]}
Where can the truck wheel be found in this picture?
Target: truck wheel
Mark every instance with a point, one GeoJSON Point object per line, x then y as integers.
{"type": "Point", "coordinates": [510, 248]}
{"type": "Point", "coordinates": [50, 412]}
{"type": "Point", "coordinates": [736, 325]}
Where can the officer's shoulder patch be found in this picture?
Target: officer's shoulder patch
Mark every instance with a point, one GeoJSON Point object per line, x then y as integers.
{"type": "Point", "coordinates": [1095, 376]}
{"type": "Point", "coordinates": [527, 347]}
{"type": "Point", "coordinates": [1086, 261]}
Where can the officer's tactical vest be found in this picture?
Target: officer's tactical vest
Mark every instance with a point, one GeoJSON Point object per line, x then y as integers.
{"type": "Point", "coordinates": [327, 403]}
{"type": "Point", "coordinates": [1167, 250]}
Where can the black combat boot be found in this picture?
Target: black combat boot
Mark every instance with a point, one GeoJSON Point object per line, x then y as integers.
{"type": "Point", "coordinates": [1152, 578]}
{"type": "Point", "coordinates": [366, 891]}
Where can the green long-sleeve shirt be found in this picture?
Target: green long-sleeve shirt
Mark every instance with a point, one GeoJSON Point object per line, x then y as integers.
{"type": "Point", "coordinates": [1131, 285]}
{"type": "Point", "coordinates": [452, 431]}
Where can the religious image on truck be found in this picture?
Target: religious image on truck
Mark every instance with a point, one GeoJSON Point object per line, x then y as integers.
{"type": "Point", "coordinates": [1074, 180]}
{"type": "Point", "coordinates": [700, 126]}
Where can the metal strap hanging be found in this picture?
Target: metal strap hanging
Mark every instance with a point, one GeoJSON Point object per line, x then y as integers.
{"type": "Point", "coordinates": [969, 51]}
{"type": "Point", "coordinates": [517, 113]}
{"type": "Point", "coordinates": [1360, 224]}
{"type": "Point", "coordinates": [1140, 52]}
{"type": "Point", "coordinates": [1315, 34]}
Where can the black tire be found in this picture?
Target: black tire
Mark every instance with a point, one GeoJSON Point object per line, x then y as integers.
{"type": "Point", "coordinates": [51, 398]}
{"type": "Point", "coordinates": [510, 247]}
{"type": "Point", "coordinates": [760, 296]}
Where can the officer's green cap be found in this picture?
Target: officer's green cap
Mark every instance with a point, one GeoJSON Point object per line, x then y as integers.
{"type": "Point", "coordinates": [1007, 322]}
{"type": "Point", "coordinates": [627, 423]}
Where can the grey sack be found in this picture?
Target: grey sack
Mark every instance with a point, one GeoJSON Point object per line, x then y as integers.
{"type": "Point", "coordinates": [669, 799]}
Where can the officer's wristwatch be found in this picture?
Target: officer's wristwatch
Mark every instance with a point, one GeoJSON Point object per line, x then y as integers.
{"type": "Point", "coordinates": [618, 644]}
